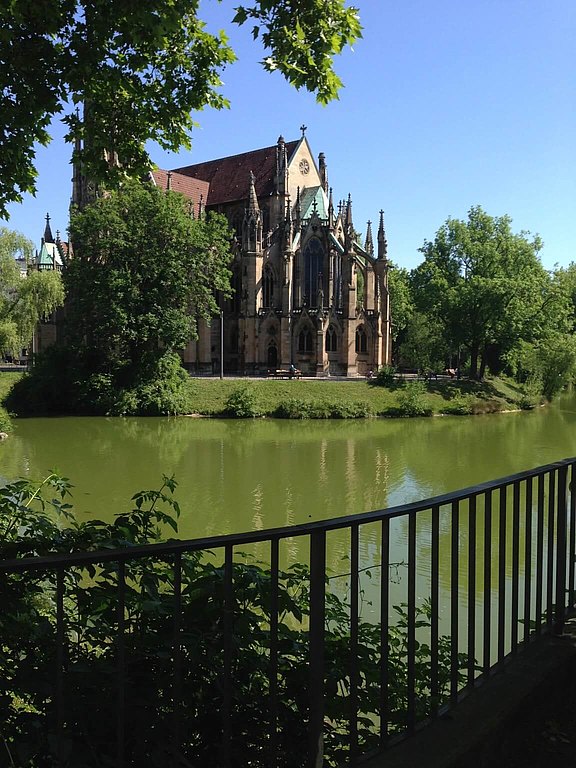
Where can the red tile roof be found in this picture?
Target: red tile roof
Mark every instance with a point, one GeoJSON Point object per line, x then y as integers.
{"type": "Point", "coordinates": [192, 188]}
{"type": "Point", "coordinates": [229, 177]}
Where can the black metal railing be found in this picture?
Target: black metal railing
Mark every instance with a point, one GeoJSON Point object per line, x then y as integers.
{"type": "Point", "coordinates": [287, 665]}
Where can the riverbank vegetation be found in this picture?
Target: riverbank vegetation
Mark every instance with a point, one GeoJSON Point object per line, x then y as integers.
{"type": "Point", "coordinates": [481, 301]}
{"type": "Point", "coordinates": [298, 399]}
{"type": "Point", "coordinates": [220, 632]}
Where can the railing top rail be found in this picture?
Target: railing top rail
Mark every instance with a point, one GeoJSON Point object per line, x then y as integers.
{"type": "Point", "coordinates": [174, 547]}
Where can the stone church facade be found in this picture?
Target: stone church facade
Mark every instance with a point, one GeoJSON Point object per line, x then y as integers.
{"type": "Point", "coordinates": [305, 291]}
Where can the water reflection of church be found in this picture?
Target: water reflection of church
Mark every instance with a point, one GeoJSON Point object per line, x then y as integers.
{"type": "Point", "coordinates": [305, 290]}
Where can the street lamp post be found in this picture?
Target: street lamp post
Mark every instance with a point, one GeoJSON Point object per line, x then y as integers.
{"type": "Point", "coordinates": [221, 343]}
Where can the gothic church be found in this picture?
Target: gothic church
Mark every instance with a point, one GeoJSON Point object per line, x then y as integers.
{"type": "Point", "coordinates": [306, 292]}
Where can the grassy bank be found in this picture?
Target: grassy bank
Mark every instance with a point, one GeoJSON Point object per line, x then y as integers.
{"type": "Point", "coordinates": [352, 399]}
{"type": "Point", "coordinates": [319, 398]}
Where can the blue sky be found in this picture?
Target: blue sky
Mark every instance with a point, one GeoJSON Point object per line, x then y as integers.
{"type": "Point", "coordinates": [446, 105]}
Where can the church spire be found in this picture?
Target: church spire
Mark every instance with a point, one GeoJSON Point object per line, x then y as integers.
{"type": "Point", "coordinates": [330, 209]}
{"type": "Point", "coordinates": [253, 206]}
{"type": "Point", "coordinates": [382, 243]}
{"type": "Point", "coordinates": [252, 225]}
{"type": "Point", "coordinates": [48, 238]}
{"type": "Point", "coordinates": [369, 244]}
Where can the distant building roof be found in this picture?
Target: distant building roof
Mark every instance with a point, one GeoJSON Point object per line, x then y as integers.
{"type": "Point", "coordinates": [194, 189]}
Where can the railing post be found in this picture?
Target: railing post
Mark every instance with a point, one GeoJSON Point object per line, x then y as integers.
{"type": "Point", "coordinates": [316, 650]}
{"type": "Point", "coordinates": [561, 510]}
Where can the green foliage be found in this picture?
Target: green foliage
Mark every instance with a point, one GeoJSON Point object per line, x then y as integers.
{"type": "Point", "coordinates": [143, 273]}
{"type": "Point", "coordinates": [423, 346]}
{"type": "Point", "coordinates": [412, 400]}
{"type": "Point", "coordinates": [63, 382]}
{"type": "Point", "coordinates": [401, 301]}
{"type": "Point", "coordinates": [296, 408]}
{"type": "Point", "coordinates": [241, 403]}
{"type": "Point", "coordinates": [38, 520]}
{"type": "Point", "coordinates": [384, 376]}
{"type": "Point", "coordinates": [5, 421]}
{"type": "Point", "coordinates": [484, 284]}
{"type": "Point", "coordinates": [547, 366]}
{"type": "Point", "coordinates": [141, 71]}
{"type": "Point", "coordinates": [23, 302]}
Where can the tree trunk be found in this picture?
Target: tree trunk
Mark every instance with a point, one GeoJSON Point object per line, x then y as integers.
{"type": "Point", "coordinates": [482, 366]}
{"type": "Point", "coordinates": [474, 362]}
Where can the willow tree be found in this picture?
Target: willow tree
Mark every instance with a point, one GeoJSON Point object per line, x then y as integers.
{"type": "Point", "coordinates": [24, 298]}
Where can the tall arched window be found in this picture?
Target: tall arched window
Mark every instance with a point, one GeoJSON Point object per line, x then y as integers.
{"type": "Point", "coordinates": [305, 340]}
{"type": "Point", "coordinates": [361, 341]}
{"type": "Point", "coordinates": [313, 259]}
{"type": "Point", "coordinates": [267, 287]}
{"type": "Point", "coordinates": [331, 339]}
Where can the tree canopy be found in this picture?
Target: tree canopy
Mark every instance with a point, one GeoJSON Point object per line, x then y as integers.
{"type": "Point", "coordinates": [23, 300]}
{"type": "Point", "coordinates": [141, 70]}
{"type": "Point", "coordinates": [143, 272]}
{"type": "Point", "coordinates": [484, 283]}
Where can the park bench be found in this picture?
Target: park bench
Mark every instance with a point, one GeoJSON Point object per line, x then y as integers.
{"type": "Point", "coordinates": [284, 373]}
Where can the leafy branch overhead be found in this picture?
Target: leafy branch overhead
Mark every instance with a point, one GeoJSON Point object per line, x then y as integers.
{"type": "Point", "coordinates": [141, 69]}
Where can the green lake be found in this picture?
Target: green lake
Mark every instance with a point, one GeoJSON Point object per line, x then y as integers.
{"type": "Point", "coordinates": [236, 475]}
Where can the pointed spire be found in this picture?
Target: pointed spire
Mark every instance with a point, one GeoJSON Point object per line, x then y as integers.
{"type": "Point", "coordinates": [330, 209]}
{"type": "Point", "coordinates": [253, 206]}
{"type": "Point", "coordinates": [369, 244]}
{"type": "Point", "coordinates": [201, 207]}
{"type": "Point", "coordinates": [382, 243]}
{"type": "Point", "coordinates": [349, 212]}
{"type": "Point", "coordinates": [297, 208]}
{"type": "Point", "coordinates": [48, 238]}
{"type": "Point", "coordinates": [323, 171]}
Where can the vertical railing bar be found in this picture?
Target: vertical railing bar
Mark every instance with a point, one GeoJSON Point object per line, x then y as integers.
{"type": "Point", "coordinates": [572, 538]}
{"type": "Point", "coordinates": [59, 662]}
{"type": "Point", "coordinates": [528, 561]}
{"type": "Point", "coordinates": [560, 599]}
{"type": "Point", "coordinates": [177, 651]}
{"type": "Point", "coordinates": [487, 628]}
{"type": "Point", "coordinates": [354, 614]}
{"type": "Point", "coordinates": [226, 747]}
{"type": "Point", "coordinates": [539, 554]}
{"type": "Point", "coordinates": [515, 566]}
{"type": "Point", "coordinates": [471, 590]}
{"type": "Point", "coordinates": [384, 628]}
{"type": "Point", "coordinates": [454, 596]}
{"type": "Point", "coordinates": [502, 572]}
{"type": "Point", "coordinates": [435, 610]}
{"type": "Point", "coordinates": [273, 673]}
{"type": "Point", "coordinates": [411, 629]}
{"type": "Point", "coordinates": [550, 549]}
{"type": "Point", "coordinates": [316, 650]}
{"type": "Point", "coordinates": [121, 667]}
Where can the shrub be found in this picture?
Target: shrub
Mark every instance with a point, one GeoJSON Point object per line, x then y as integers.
{"type": "Point", "coordinates": [459, 406]}
{"type": "Point", "coordinates": [292, 408]}
{"type": "Point", "coordinates": [241, 404]}
{"type": "Point", "coordinates": [384, 376]}
{"type": "Point", "coordinates": [5, 421]}
{"type": "Point", "coordinates": [39, 521]}
{"type": "Point", "coordinates": [411, 400]}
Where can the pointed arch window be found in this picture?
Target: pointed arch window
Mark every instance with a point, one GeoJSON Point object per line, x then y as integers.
{"type": "Point", "coordinates": [313, 261]}
{"type": "Point", "coordinates": [268, 287]}
{"type": "Point", "coordinates": [361, 341]}
{"type": "Point", "coordinates": [331, 339]}
{"type": "Point", "coordinates": [305, 340]}
{"type": "Point", "coordinates": [272, 356]}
